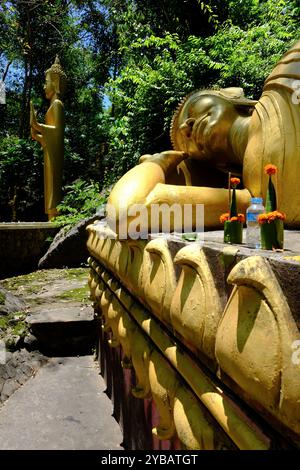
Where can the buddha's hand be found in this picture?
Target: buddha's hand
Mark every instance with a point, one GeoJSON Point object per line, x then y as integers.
{"type": "Point", "coordinates": [32, 114]}
{"type": "Point", "coordinates": [167, 160]}
{"type": "Point", "coordinates": [36, 136]}
{"type": "Point", "coordinates": [33, 120]}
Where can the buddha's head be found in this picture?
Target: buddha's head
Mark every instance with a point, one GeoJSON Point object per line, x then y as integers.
{"type": "Point", "coordinates": [202, 123]}
{"type": "Point", "coordinates": [56, 79]}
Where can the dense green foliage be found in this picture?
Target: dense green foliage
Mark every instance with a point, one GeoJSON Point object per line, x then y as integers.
{"type": "Point", "coordinates": [82, 199]}
{"type": "Point", "coordinates": [21, 179]}
{"type": "Point", "coordinates": [160, 66]}
{"type": "Point", "coordinates": [129, 62]}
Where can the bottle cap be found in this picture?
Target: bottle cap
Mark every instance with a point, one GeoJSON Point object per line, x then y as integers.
{"type": "Point", "coordinates": [256, 200]}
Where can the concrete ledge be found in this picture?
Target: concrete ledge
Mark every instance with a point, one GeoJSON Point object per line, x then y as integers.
{"type": "Point", "coordinates": [25, 225]}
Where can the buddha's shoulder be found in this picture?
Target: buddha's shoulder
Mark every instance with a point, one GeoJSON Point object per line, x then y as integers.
{"type": "Point", "coordinates": [57, 104]}
{"type": "Point", "coordinates": [285, 76]}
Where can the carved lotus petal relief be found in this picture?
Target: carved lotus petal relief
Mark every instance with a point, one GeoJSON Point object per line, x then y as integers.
{"type": "Point", "coordinates": [254, 338]}
{"type": "Point", "coordinates": [159, 278]}
{"type": "Point", "coordinates": [196, 307]}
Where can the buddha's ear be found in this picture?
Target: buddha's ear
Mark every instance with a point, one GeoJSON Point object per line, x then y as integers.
{"type": "Point", "coordinates": [57, 87]}
{"type": "Point", "coordinates": [56, 82]}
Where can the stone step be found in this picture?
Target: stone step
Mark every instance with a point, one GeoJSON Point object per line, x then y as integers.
{"type": "Point", "coordinates": [64, 330]}
{"type": "Point", "coordinates": [63, 407]}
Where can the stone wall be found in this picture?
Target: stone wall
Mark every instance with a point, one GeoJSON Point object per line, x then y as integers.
{"type": "Point", "coordinates": [22, 245]}
{"type": "Point", "coordinates": [18, 367]}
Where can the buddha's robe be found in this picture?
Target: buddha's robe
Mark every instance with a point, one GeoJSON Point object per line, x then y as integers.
{"type": "Point", "coordinates": [274, 137]}
{"type": "Point", "coordinates": [53, 138]}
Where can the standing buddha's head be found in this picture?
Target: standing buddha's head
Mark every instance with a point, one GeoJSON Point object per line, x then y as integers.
{"type": "Point", "coordinates": [56, 80]}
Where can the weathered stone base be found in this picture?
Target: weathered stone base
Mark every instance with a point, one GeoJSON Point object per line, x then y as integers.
{"type": "Point", "coordinates": [144, 404]}
{"type": "Point", "coordinates": [131, 413]}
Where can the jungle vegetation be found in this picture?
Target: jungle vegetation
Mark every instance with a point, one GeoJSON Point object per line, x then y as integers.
{"type": "Point", "coordinates": [129, 63]}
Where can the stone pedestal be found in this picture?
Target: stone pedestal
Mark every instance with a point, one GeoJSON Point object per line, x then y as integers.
{"type": "Point", "coordinates": [206, 337]}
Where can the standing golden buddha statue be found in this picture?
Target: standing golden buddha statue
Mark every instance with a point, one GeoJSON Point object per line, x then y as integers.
{"type": "Point", "coordinates": [51, 137]}
{"type": "Point", "coordinates": [219, 131]}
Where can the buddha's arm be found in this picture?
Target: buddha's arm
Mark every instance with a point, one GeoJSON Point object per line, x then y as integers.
{"type": "Point", "coordinates": [56, 122]}
{"type": "Point", "coordinates": [39, 127]}
{"type": "Point", "coordinates": [146, 184]}
{"type": "Point", "coordinates": [136, 184]}
{"type": "Point", "coordinates": [36, 136]}
{"type": "Point", "coordinates": [215, 200]}
{"type": "Point", "coordinates": [35, 126]}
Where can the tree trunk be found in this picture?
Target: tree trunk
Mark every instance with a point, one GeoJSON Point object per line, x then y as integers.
{"type": "Point", "coordinates": [24, 129]}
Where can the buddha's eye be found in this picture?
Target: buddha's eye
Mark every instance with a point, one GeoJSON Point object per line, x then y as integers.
{"type": "Point", "coordinates": [188, 123]}
{"type": "Point", "coordinates": [187, 127]}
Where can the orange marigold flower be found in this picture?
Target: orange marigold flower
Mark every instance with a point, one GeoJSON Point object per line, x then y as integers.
{"type": "Point", "coordinates": [224, 217]}
{"type": "Point", "coordinates": [270, 169]}
{"type": "Point", "coordinates": [235, 181]}
{"type": "Point", "coordinates": [241, 218]}
{"type": "Point", "coordinates": [281, 215]}
{"type": "Point", "coordinates": [262, 218]}
{"type": "Point", "coordinates": [276, 215]}
{"type": "Point", "coordinates": [234, 219]}
{"type": "Point", "coordinates": [270, 217]}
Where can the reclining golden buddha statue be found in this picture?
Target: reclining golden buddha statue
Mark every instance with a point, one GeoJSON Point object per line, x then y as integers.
{"type": "Point", "coordinates": [214, 132]}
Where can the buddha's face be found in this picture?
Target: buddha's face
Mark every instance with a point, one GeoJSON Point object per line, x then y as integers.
{"type": "Point", "coordinates": [49, 87]}
{"type": "Point", "coordinates": [204, 127]}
